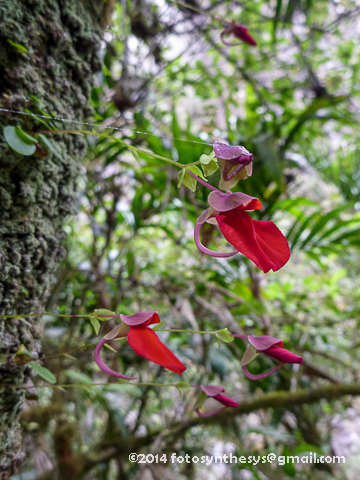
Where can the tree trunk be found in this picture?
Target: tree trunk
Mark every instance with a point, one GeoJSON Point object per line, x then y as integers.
{"type": "Point", "coordinates": [52, 74]}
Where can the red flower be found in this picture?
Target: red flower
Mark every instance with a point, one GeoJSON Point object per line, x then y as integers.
{"type": "Point", "coordinates": [143, 341]}
{"type": "Point", "coordinates": [212, 400]}
{"type": "Point", "coordinates": [273, 347]}
{"type": "Point", "coordinates": [238, 31]}
{"type": "Point", "coordinates": [260, 241]}
{"type": "Point", "coordinates": [270, 346]}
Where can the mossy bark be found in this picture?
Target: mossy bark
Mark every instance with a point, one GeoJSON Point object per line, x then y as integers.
{"type": "Point", "coordinates": [49, 50]}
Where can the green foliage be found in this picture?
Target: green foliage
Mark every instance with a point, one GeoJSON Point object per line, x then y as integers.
{"type": "Point", "coordinates": [20, 48]}
{"type": "Point", "coordinates": [249, 356]}
{"type": "Point", "coordinates": [224, 335]}
{"type": "Point", "coordinates": [19, 141]}
{"type": "Point", "coordinates": [43, 372]}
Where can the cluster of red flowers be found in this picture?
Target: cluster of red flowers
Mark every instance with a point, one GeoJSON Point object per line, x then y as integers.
{"type": "Point", "coordinates": [260, 241]}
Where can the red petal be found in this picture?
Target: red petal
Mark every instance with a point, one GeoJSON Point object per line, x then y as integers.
{"type": "Point", "coordinates": [243, 33]}
{"type": "Point", "coordinates": [283, 355]}
{"type": "Point", "coordinates": [272, 242]}
{"type": "Point", "coordinates": [254, 204]}
{"type": "Point", "coordinates": [237, 227]}
{"type": "Point", "coordinates": [262, 242]}
{"type": "Point", "coordinates": [229, 402]}
{"type": "Point", "coordinates": [146, 343]}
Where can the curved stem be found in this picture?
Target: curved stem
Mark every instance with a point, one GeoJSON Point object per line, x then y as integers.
{"type": "Point", "coordinates": [104, 367]}
{"type": "Point", "coordinates": [188, 331]}
{"type": "Point", "coordinates": [202, 12]}
{"type": "Point", "coordinates": [192, 164]}
{"type": "Point", "coordinates": [86, 385]}
{"type": "Point", "coordinates": [47, 314]}
{"type": "Point", "coordinates": [261, 375]}
{"type": "Point", "coordinates": [202, 181]}
{"type": "Point", "coordinates": [210, 414]}
{"type": "Point", "coordinates": [205, 250]}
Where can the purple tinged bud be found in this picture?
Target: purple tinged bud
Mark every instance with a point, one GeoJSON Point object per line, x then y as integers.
{"type": "Point", "coordinates": [227, 152]}
{"type": "Point", "coordinates": [140, 318]}
{"type": "Point", "coordinates": [213, 390]}
{"type": "Point", "coordinates": [264, 342]}
{"type": "Point", "coordinates": [215, 398]}
{"type": "Point", "coordinates": [234, 163]}
{"type": "Point", "coordinates": [223, 202]}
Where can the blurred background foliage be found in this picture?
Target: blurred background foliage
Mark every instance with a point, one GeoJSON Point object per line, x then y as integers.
{"type": "Point", "coordinates": [170, 86]}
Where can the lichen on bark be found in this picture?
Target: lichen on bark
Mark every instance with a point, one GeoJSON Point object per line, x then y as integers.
{"type": "Point", "coordinates": [52, 73]}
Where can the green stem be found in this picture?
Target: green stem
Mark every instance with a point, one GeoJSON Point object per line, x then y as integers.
{"type": "Point", "coordinates": [95, 343]}
{"type": "Point", "coordinates": [202, 12]}
{"type": "Point", "coordinates": [189, 331]}
{"type": "Point", "coordinates": [73, 385]}
{"type": "Point", "coordinates": [122, 142]}
{"type": "Point", "coordinates": [45, 314]}
{"type": "Point", "coordinates": [192, 164]}
{"type": "Point", "coordinates": [92, 315]}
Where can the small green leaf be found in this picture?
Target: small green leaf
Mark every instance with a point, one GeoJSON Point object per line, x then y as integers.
{"type": "Point", "coordinates": [22, 351]}
{"type": "Point", "coordinates": [200, 400]}
{"type": "Point", "coordinates": [18, 46]}
{"type": "Point", "coordinates": [115, 331]}
{"type": "Point", "coordinates": [43, 372]}
{"type": "Point", "coordinates": [181, 175]}
{"type": "Point", "coordinates": [78, 377]}
{"type": "Point", "coordinates": [49, 145]}
{"type": "Point", "coordinates": [16, 139]}
{"type": "Point", "coordinates": [105, 314]}
{"type": "Point", "coordinates": [184, 385]}
{"type": "Point", "coordinates": [23, 356]}
{"type": "Point", "coordinates": [25, 136]}
{"type": "Point", "coordinates": [95, 323]}
{"type": "Point", "coordinates": [159, 325]}
{"type": "Point", "coordinates": [110, 348]}
{"type": "Point", "coordinates": [134, 153]}
{"type": "Point", "coordinates": [224, 335]}
{"type": "Point", "coordinates": [206, 159]}
{"type": "Point", "coordinates": [196, 170]}
{"type": "Point", "coordinates": [189, 181]}
{"type": "Point", "coordinates": [69, 356]}
{"type": "Point", "coordinates": [249, 356]}
{"type": "Point", "coordinates": [210, 168]}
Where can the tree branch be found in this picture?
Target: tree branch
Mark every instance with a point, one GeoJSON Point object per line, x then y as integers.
{"type": "Point", "coordinates": [276, 400]}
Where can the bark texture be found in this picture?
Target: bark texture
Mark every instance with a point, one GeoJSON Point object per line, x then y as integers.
{"type": "Point", "coordinates": [53, 75]}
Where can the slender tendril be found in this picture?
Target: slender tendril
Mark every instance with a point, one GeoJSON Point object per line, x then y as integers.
{"type": "Point", "coordinates": [202, 12]}
{"type": "Point", "coordinates": [127, 145]}
{"type": "Point", "coordinates": [85, 385]}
